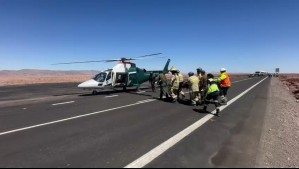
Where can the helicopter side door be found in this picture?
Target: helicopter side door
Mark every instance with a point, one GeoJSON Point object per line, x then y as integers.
{"type": "Point", "coordinates": [132, 78]}
{"type": "Point", "coordinates": [109, 79]}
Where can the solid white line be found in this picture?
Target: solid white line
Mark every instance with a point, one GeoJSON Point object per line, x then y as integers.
{"type": "Point", "coordinates": [112, 96]}
{"type": "Point", "coordinates": [62, 103]}
{"type": "Point", "coordinates": [75, 117]}
{"type": "Point", "coordinates": [156, 152]}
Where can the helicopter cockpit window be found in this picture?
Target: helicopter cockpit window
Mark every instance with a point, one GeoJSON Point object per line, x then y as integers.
{"type": "Point", "coordinates": [100, 77]}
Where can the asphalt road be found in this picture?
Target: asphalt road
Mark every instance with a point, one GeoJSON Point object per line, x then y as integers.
{"type": "Point", "coordinates": [61, 126]}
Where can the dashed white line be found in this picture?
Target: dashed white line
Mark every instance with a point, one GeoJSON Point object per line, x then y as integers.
{"type": "Point", "coordinates": [63, 103]}
{"type": "Point", "coordinates": [76, 117]}
{"type": "Point", "coordinates": [111, 96]}
{"type": "Point", "coordinates": [241, 80]}
{"type": "Point", "coordinates": [156, 152]}
{"type": "Point", "coordinates": [146, 101]}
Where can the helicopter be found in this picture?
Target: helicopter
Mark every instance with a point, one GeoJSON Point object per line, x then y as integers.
{"type": "Point", "coordinates": [125, 74]}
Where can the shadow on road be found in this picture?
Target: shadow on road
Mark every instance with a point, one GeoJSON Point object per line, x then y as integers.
{"type": "Point", "coordinates": [201, 111]}
{"type": "Point", "coordinates": [109, 92]}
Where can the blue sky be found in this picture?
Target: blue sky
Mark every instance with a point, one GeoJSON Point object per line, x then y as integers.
{"type": "Point", "coordinates": [240, 35]}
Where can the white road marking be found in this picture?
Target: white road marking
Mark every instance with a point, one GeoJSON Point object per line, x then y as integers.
{"type": "Point", "coordinates": [141, 92]}
{"type": "Point", "coordinates": [75, 117]}
{"type": "Point", "coordinates": [63, 103]}
{"type": "Point", "coordinates": [156, 152]}
{"type": "Point", "coordinates": [242, 80]}
{"type": "Point", "coordinates": [112, 96]}
{"type": "Point", "coordinates": [146, 101]}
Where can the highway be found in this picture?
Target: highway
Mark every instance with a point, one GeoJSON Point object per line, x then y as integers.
{"type": "Point", "coordinates": [58, 125]}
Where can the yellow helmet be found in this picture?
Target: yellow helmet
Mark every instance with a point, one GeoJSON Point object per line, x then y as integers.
{"type": "Point", "coordinates": [173, 69]}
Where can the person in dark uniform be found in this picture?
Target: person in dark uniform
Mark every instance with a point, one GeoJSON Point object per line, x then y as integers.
{"type": "Point", "coordinates": [163, 84]}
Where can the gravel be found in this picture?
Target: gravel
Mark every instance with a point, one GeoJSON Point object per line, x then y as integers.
{"type": "Point", "coordinates": [279, 145]}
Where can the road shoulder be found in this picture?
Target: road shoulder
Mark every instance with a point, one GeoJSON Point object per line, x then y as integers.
{"type": "Point", "coordinates": [279, 145]}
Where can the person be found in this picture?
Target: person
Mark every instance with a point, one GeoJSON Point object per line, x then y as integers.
{"type": "Point", "coordinates": [193, 82]}
{"type": "Point", "coordinates": [162, 81]}
{"type": "Point", "coordinates": [212, 94]}
{"type": "Point", "coordinates": [225, 84]}
{"type": "Point", "coordinates": [181, 80]}
{"type": "Point", "coordinates": [175, 83]}
{"type": "Point", "coordinates": [203, 82]}
{"type": "Point", "coordinates": [152, 81]}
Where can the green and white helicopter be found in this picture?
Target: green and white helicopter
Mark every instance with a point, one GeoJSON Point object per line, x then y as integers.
{"type": "Point", "coordinates": [124, 74]}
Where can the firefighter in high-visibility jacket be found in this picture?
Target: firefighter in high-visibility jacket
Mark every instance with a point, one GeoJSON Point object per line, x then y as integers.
{"type": "Point", "coordinates": [175, 83]}
{"type": "Point", "coordinates": [212, 94]}
{"type": "Point", "coordinates": [193, 82]}
{"type": "Point", "coordinates": [224, 83]}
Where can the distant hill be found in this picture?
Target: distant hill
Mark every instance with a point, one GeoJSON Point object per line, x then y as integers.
{"type": "Point", "coordinates": [46, 73]}
{"type": "Point", "coordinates": [29, 76]}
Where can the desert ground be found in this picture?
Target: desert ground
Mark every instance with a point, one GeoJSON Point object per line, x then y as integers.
{"type": "Point", "coordinates": [279, 145]}
{"type": "Point", "coordinates": [291, 82]}
{"type": "Point", "coordinates": [24, 77]}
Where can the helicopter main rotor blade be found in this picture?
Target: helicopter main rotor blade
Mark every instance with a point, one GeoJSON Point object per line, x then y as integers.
{"type": "Point", "coordinates": [113, 60]}
{"type": "Point", "coordinates": [68, 63]}
{"type": "Point", "coordinates": [147, 55]}
{"type": "Point", "coordinates": [135, 58]}
{"type": "Point", "coordinates": [159, 57]}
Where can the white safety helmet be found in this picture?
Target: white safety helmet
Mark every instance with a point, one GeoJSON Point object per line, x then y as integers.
{"type": "Point", "coordinates": [222, 70]}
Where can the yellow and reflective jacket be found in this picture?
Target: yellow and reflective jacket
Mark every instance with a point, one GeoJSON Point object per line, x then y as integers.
{"type": "Point", "coordinates": [194, 83]}
{"type": "Point", "coordinates": [213, 87]}
{"type": "Point", "coordinates": [224, 80]}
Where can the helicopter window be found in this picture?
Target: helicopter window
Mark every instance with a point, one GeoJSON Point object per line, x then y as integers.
{"type": "Point", "coordinates": [109, 76]}
{"type": "Point", "coordinates": [121, 78]}
{"type": "Point", "coordinates": [100, 77]}
{"type": "Point", "coordinates": [133, 76]}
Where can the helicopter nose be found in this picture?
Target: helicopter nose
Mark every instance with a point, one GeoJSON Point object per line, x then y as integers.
{"type": "Point", "coordinates": [89, 84]}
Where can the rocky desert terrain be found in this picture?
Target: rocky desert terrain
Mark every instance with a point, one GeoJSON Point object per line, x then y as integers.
{"type": "Point", "coordinates": [291, 82]}
{"type": "Point", "coordinates": [279, 145]}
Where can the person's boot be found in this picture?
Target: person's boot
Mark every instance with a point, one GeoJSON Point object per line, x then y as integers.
{"type": "Point", "coordinates": [217, 112]}
{"type": "Point", "coordinates": [222, 100]}
{"type": "Point", "coordinates": [225, 100]}
{"type": "Point", "coordinates": [205, 108]}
